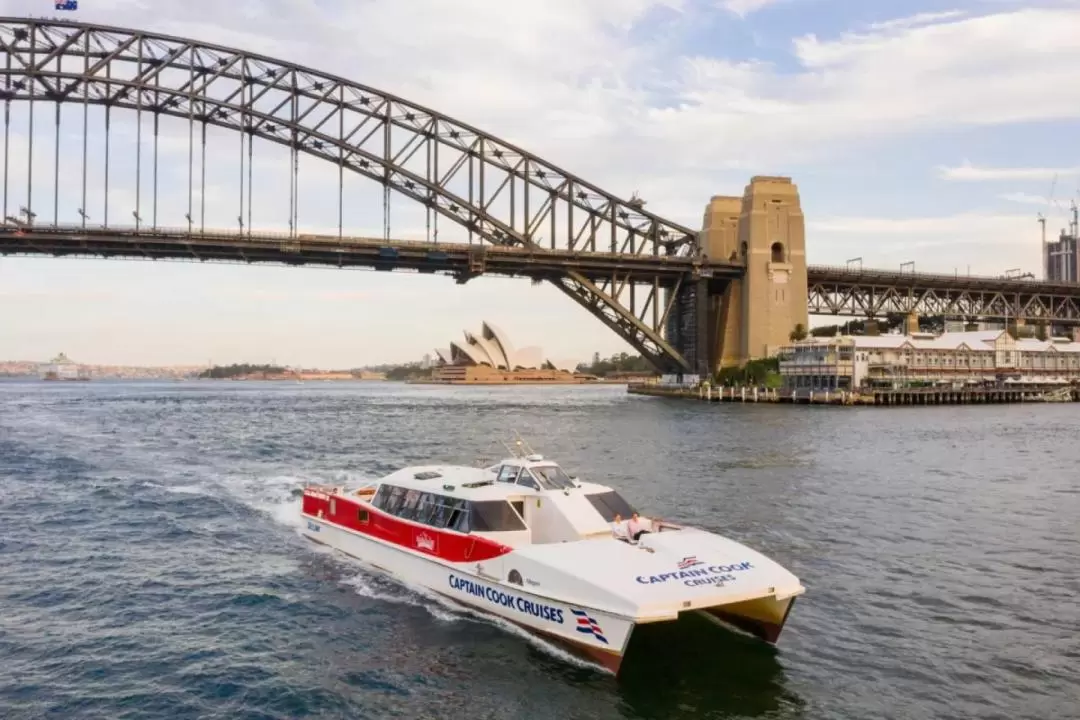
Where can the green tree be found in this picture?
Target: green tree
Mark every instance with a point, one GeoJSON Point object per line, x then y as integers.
{"type": "Point", "coordinates": [620, 362]}
{"type": "Point", "coordinates": [799, 333]}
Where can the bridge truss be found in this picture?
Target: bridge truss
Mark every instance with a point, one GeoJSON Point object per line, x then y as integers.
{"type": "Point", "coordinates": [873, 293]}
{"type": "Point", "coordinates": [493, 193]}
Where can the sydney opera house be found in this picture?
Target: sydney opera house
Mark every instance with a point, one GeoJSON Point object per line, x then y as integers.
{"type": "Point", "coordinates": [489, 358]}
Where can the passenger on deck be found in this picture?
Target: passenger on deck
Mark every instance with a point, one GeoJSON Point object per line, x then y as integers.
{"type": "Point", "coordinates": [618, 528]}
{"type": "Point", "coordinates": [638, 526]}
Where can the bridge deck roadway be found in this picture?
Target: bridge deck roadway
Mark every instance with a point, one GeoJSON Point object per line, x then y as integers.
{"type": "Point", "coordinates": [832, 290]}
{"type": "Point", "coordinates": [332, 251]}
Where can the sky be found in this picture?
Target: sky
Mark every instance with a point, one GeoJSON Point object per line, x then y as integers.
{"type": "Point", "coordinates": [916, 130]}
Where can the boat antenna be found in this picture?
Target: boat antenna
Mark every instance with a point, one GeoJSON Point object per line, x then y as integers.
{"type": "Point", "coordinates": [519, 448]}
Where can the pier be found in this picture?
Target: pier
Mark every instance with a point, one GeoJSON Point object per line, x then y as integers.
{"type": "Point", "coordinates": [882, 397]}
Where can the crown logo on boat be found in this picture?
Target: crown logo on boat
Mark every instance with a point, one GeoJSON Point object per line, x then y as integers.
{"type": "Point", "coordinates": [425, 542]}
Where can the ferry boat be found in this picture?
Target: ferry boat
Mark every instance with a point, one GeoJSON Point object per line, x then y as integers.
{"type": "Point", "coordinates": [63, 368]}
{"type": "Point", "coordinates": [524, 541]}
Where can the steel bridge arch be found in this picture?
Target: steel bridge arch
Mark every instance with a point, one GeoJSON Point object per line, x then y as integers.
{"type": "Point", "coordinates": [72, 62]}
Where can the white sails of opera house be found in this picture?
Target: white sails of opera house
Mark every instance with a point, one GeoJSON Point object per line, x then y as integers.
{"type": "Point", "coordinates": [492, 348]}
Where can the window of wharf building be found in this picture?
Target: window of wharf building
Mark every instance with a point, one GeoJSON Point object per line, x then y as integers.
{"type": "Point", "coordinates": [441, 511]}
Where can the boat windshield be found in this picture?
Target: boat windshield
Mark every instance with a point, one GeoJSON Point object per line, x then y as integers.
{"type": "Point", "coordinates": [609, 504]}
{"type": "Point", "coordinates": [552, 477]}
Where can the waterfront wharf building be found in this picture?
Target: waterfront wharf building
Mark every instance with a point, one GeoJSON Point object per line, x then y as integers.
{"type": "Point", "coordinates": [923, 359]}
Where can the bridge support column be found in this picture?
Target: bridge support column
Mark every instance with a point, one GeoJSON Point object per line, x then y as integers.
{"type": "Point", "coordinates": [720, 241]}
{"type": "Point", "coordinates": [911, 323]}
{"type": "Point", "coordinates": [754, 317]}
{"type": "Point", "coordinates": [701, 361]}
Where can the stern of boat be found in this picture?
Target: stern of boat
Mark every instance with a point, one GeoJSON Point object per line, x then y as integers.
{"type": "Point", "coordinates": [762, 617]}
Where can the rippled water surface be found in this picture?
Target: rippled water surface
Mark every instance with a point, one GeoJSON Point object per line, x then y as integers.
{"type": "Point", "coordinates": [150, 564]}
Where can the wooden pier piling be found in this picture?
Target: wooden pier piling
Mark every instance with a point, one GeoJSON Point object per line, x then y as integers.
{"type": "Point", "coordinates": [881, 397]}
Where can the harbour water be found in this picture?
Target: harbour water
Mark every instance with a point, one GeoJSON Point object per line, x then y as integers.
{"type": "Point", "coordinates": [150, 564]}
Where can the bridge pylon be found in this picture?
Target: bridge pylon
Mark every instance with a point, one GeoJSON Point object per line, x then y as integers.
{"type": "Point", "coordinates": [753, 316]}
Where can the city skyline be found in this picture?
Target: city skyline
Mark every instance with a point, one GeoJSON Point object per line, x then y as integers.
{"type": "Point", "coordinates": [920, 131]}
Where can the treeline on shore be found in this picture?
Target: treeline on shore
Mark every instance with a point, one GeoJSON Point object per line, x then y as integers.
{"type": "Point", "coordinates": [402, 372]}
{"type": "Point", "coordinates": [617, 363]}
{"type": "Point", "coordinates": [219, 372]}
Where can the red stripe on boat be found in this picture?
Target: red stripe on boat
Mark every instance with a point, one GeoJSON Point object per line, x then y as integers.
{"type": "Point", "coordinates": [444, 544]}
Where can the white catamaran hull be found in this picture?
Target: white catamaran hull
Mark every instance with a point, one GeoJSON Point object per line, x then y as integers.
{"type": "Point", "coordinates": [595, 634]}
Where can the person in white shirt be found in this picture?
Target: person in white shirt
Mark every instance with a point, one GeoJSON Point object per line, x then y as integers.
{"type": "Point", "coordinates": [618, 528]}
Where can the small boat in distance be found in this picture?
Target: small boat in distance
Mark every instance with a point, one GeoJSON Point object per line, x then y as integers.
{"type": "Point", "coordinates": [523, 541]}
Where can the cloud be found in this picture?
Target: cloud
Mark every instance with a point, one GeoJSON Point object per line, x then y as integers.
{"type": "Point", "coordinates": [941, 226]}
{"type": "Point", "coordinates": [1025, 198]}
{"type": "Point", "coordinates": [982, 243]}
{"type": "Point", "coordinates": [345, 296]}
{"type": "Point", "coordinates": [742, 8]}
{"type": "Point", "coordinates": [970, 172]}
{"type": "Point", "coordinates": [926, 18]}
{"type": "Point", "coordinates": [625, 106]}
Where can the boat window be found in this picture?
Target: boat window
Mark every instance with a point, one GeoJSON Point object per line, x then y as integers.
{"type": "Point", "coordinates": [424, 507]}
{"type": "Point", "coordinates": [495, 516]}
{"type": "Point", "coordinates": [460, 519]}
{"type": "Point", "coordinates": [508, 473]}
{"type": "Point", "coordinates": [393, 500]}
{"type": "Point", "coordinates": [527, 480]}
{"type": "Point", "coordinates": [408, 506]}
{"type": "Point", "coordinates": [444, 508]}
{"type": "Point", "coordinates": [552, 477]}
{"type": "Point", "coordinates": [381, 496]}
{"type": "Point", "coordinates": [609, 503]}
{"type": "Point", "coordinates": [519, 506]}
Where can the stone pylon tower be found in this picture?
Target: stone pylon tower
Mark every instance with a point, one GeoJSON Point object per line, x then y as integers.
{"type": "Point", "coordinates": [763, 229]}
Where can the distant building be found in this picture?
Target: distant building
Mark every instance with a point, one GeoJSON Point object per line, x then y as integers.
{"type": "Point", "coordinates": [1061, 259]}
{"type": "Point", "coordinates": [489, 357]}
{"type": "Point", "coordinates": [989, 356]}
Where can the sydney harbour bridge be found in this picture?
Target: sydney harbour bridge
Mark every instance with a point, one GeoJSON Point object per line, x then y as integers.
{"type": "Point", "coordinates": [687, 299]}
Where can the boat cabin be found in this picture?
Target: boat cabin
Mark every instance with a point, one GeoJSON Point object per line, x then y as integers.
{"type": "Point", "coordinates": [521, 500]}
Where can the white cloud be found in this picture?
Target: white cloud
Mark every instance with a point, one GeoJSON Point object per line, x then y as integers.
{"type": "Point", "coordinates": [742, 8]}
{"type": "Point", "coordinates": [631, 114]}
{"type": "Point", "coordinates": [926, 18]}
{"type": "Point", "coordinates": [1025, 198]}
{"type": "Point", "coordinates": [969, 172]}
{"type": "Point", "coordinates": [980, 243]}
{"type": "Point", "coordinates": [934, 227]}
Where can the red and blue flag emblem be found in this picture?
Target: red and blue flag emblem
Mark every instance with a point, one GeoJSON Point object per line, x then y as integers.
{"type": "Point", "coordinates": [585, 624]}
{"type": "Point", "coordinates": [687, 562]}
